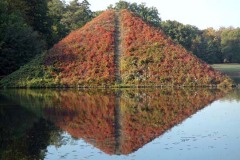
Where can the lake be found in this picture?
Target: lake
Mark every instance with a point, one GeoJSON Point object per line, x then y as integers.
{"type": "Point", "coordinates": [129, 124]}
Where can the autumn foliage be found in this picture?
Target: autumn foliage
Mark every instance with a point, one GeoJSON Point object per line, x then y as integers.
{"type": "Point", "coordinates": [151, 58]}
{"type": "Point", "coordinates": [86, 58]}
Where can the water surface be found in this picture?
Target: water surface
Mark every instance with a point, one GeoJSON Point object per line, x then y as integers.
{"type": "Point", "coordinates": [120, 124]}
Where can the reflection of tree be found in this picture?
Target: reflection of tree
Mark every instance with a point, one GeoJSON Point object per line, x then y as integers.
{"type": "Point", "coordinates": [22, 134]}
{"type": "Point", "coordinates": [233, 96]}
{"type": "Point", "coordinates": [117, 122]}
{"type": "Point", "coordinates": [88, 115]}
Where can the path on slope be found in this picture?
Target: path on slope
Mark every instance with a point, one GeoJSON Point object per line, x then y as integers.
{"type": "Point", "coordinates": [117, 54]}
{"type": "Point", "coordinates": [117, 49]}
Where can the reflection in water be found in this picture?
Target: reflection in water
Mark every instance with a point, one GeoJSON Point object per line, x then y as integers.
{"type": "Point", "coordinates": [146, 115]}
{"type": "Point", "coordinates": [233, 96]}
{"type": "Point", "coordinates": [22, 134]}
{"type": "Point", "coordinates": [115, 121]}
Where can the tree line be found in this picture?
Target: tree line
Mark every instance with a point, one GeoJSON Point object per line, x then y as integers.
{"type": "Point", "coordinates": [210, 45]}
{"type": "Point", "coordinates": [29, 27]}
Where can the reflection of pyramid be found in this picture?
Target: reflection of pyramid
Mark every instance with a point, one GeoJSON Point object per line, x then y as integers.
{"type": "Point", "coordinates": [117, 122]}
{"type": "Point", "coordinates": [147, 115]}
{"type": "Point", "coordinates": [116, 47]}
{"type": "Point", "coordinates": [87, 116]}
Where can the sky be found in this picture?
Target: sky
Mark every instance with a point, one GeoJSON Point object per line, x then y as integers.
{"type": "Point", "coordinates": [200, 13]}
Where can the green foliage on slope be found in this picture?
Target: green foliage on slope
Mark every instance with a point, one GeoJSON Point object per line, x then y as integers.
{"type": "Point", "coordinates": [33, 74]}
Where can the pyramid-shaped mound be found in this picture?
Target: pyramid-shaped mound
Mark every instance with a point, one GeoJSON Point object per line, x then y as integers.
{"type": "Point", "coordinates": [116, 49]}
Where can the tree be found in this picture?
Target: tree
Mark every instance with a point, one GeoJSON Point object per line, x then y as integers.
{"type": "Point", "coordinates": [230, 42]}
{"type": "Point", "coordinates": [207, 47]}
{"type": "Point", "coordinates": [56, 9]}
{"type": "Point", "coordinates": [34, 13]}
{"type": "Point", "coordinates": [180, 33]}
{"type": "Point", "coordinates": [20, 6]}
{"type": "Point", "coordinates": [37, 17]}
{"type": "Point", "coordinates": [122, 5]}
{"type": "Point", "coordinates": [150, 15]}
{"type": "Point", "coordinates": [77, 14]}
{"type": "Point", "coordinates": [205, 44]}
{"type": "Point", "coordinates": [18, 42]}
{"type": "Point", "coordinates": [213, 46]}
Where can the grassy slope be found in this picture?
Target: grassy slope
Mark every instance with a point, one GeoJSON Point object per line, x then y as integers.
{"type": "Point", "coordinates": [33, 74]}
{"type": "Point", "coordinates": [150, 58]}
{"type": "Point", "coordinates": [84, 57]}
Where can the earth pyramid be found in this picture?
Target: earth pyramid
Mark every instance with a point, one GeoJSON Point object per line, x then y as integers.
{"type": "Point", "coordinates": [116, 49]}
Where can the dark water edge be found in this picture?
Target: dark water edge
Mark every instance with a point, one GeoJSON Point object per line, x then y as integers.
{"type": "Point", "coordinates": [106, 124]}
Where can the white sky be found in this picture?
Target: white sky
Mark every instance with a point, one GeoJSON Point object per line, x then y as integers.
{"type": "Point", "coordinates": [200, 13]}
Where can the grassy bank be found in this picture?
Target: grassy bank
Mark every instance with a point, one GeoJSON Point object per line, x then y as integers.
{"type": "Point", "coordinates": [232, 70]}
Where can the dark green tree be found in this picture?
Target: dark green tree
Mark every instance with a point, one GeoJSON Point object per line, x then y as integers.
{"type": "Point", "coordinates": [230, 43]}
{"type": "Point", "coordinates": [77, 15]}
{"type": "Point", "coordinates": [34, 13]}
{"type": "Point", "coordinates": [180, 33]}
{"type": "Point", "coordinates": [37, 16]}
{"type": "Point", "coordinates": [56, 9]}
{"type": "Point", "coordinates": [20, 6]}
{"type": "Point", "coordinates": [18, 42]}
{"type": "Point", "coordinates": [213, 46]}
{"type": "Point", "coordinates": [149, 14]}
{"type": "Point", "coordinates": [121, 5]}
{"type": "Point", "coordinates": [207, 46]}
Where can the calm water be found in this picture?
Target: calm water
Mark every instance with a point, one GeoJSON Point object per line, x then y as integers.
{"type": "Point", "coordinates": [120, 124]}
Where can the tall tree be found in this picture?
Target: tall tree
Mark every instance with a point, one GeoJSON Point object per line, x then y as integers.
{"type": "Point", "coordinates": [121, 5]}
{"type": "Point", "coordinates": [18, 42]}
{"type": "Point", "coordinates": [56, 9]}
{"type": "Point", "coordinates": [213, 46]}
{"type": "Point", "coordinates": [230, 41]}
{"type": "Point", "coordinates": [37, 15]}
{"type": "Point", "coordinates": [180, 33]}
{"type": "Point", "coordinates": [34, 12]}
{"type": "Point", "coordinates": [20, 6]}
{"type": "Point", "coordinates": [149, 14]}
{"type": "Point", "coordinates": [77, 14]}
{"type": "Point", "coordinates": [206, 46]}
